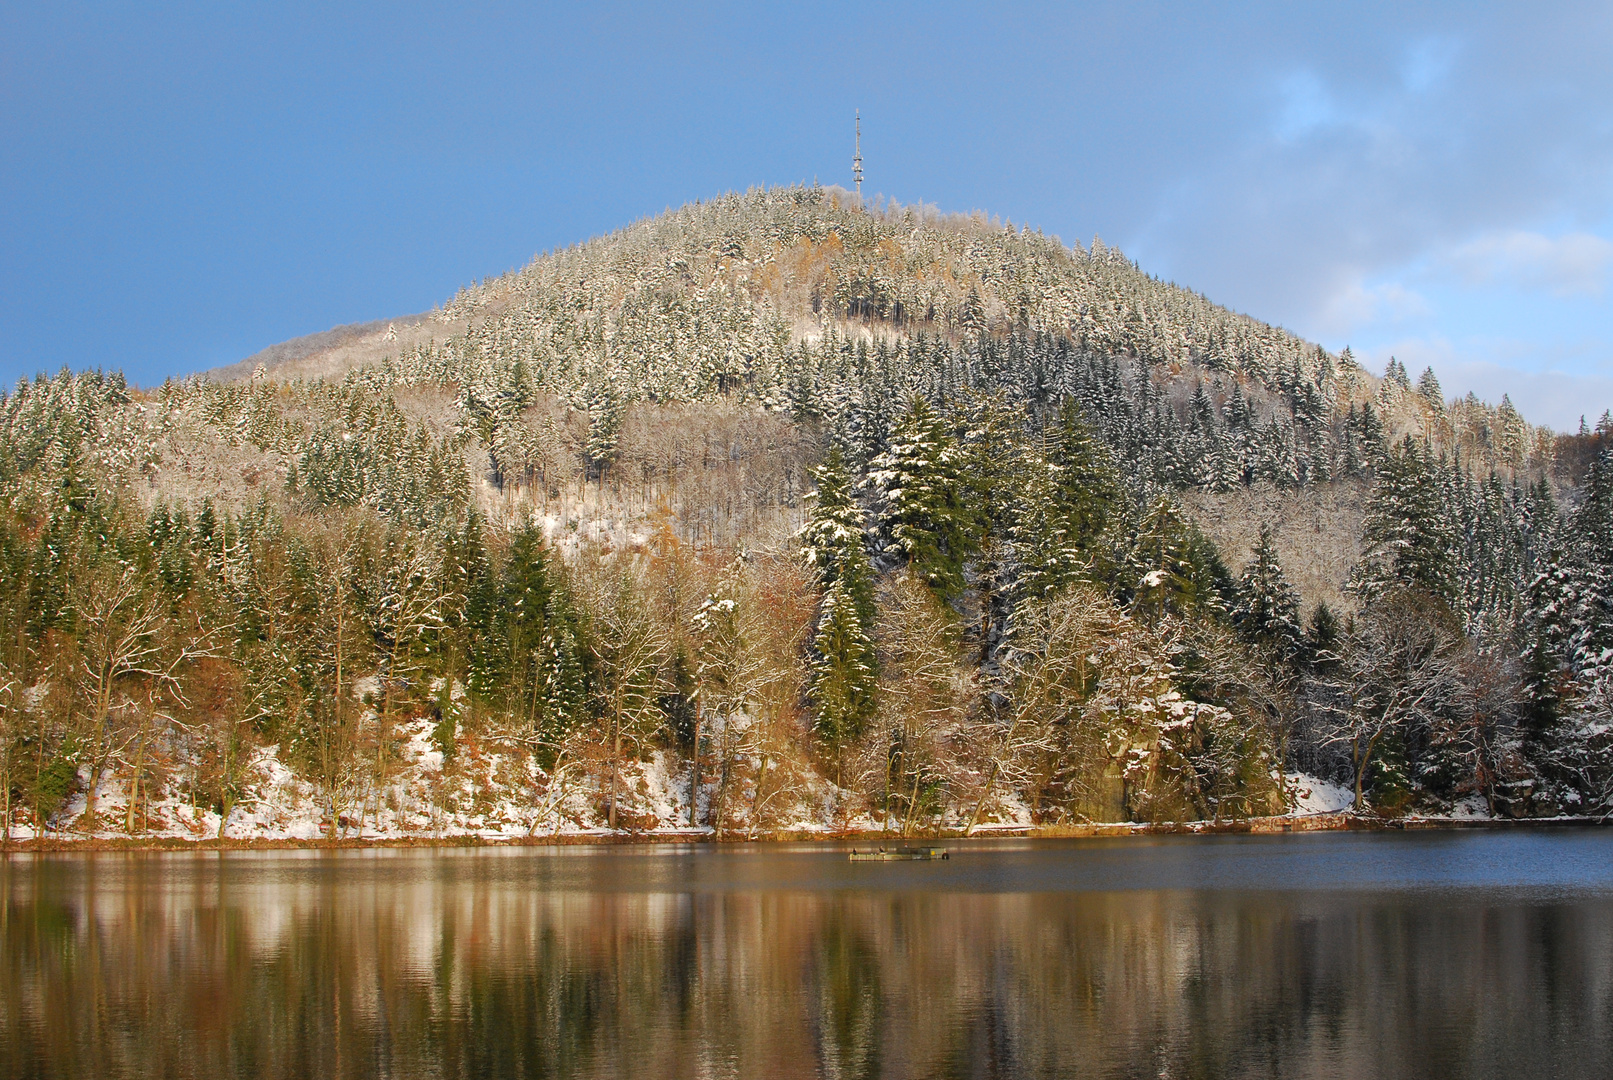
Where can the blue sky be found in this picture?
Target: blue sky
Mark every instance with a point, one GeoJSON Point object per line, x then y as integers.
{"type": "Point", "coordinates": [183, 185]}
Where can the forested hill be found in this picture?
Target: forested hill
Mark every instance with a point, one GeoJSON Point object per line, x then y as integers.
{"type": "Point", "coordinates": [779, 512]}
{"type": "Point", "coordinates": [802, 299]}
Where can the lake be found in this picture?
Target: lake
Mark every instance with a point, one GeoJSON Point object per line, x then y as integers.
{"type": "Point", "coordinates": [1428, 954]}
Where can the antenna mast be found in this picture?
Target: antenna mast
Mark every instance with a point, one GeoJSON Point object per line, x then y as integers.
{"type": "Point", "coordinates": [857, 162]}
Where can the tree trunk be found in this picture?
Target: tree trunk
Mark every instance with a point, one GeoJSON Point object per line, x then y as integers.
{"type": "Point", "coordinates": [980, 803]}
{"type": "Point", "coordinates": [723, 764]}
{"type": "Point", "coordinates": [103, 710]}
{"type": "Point", "coordinates": [1282, 771]}
{"type": "Point", "coordinates": [694, 769]}
{"type": "Point", "coordinates": [134, 786]}
{"type": "Point", "coordinates": [330, 772]}
{"type": "Point", "coordinates": [615, 771]}
{"type": "Point", "coordinates": [885, 815]}
{"type": "Point", "coordinates": [1362, 759]}
{"type": "Point", "coordinates": [134, 800]}
{"type": "Point", "coordinates": [756, 811]}
{"type": "Point", "coordinates": [912, 805]}
{"type": "Point", "coordinates": [383, 725]}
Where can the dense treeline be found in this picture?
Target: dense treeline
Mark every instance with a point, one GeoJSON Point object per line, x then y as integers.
{"type": "Point", "coordinates": [923, 565]}
{"type": "Point", "coordinates": [991, 612]}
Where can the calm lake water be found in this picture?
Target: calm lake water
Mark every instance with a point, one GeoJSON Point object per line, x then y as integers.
{"type": "Point", "coordinates": [1447, 954]}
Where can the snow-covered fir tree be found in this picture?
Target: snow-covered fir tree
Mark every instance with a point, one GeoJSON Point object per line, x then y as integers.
{"type": "Point", "coordinates": [1267, 609]}
{"type": "Point", "coordinates": [922, 488]}
{"type": "Point", "coordinates": [833, 541]}
{"type": "Point", "coordinates": [845, 676]}
{"type": "Point", "coordinates": [1408, 537]}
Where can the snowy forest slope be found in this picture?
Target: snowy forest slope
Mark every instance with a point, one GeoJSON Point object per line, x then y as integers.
{"type": "Point", "coordinates": [781, 512]}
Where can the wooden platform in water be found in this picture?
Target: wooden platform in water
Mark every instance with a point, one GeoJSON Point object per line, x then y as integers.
{"type": "Point", "coordinates": [923, 854]}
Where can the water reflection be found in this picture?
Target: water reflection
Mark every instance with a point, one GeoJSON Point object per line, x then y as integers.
{"type": "Point", "coordinates": [790, 962]}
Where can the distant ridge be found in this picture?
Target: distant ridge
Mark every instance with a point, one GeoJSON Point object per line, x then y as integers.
{"type": "Point", "coordinates": [301, 348]}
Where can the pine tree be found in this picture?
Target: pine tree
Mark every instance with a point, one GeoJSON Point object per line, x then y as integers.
{"type": "Point", "coordinates": [1323, 640]}
{"type": "Point", "coordinates": [1174, 568]}
{"type": "Point", "coordinates": [530, 659]}
{"type": "Point", "coordinates": [1585, 596]}
{"type": "Point", "coordinates": [993, 463]}
{"type": "Point", "coordinates": [1267, 611]}
{"type": "Point", "coordinates": [922, 488]}
{"type": "Point", "coordinates": [1593, 519]}
{"type": "Point", "coordinates": [1546, 631]}
{"type": "Point", "coordinates": [724, 678]}
{"type": "Point", "coordinates": [1429, 390]}
{"type": "Point", "coordinates": [605, 413]}
{"type": "Point", "coordinates": [1088, 481]}
{"type": "Point", "coordinates": [1067, 496]}
{"type": "Point", "coordinates": [1049, 556]}
{"type": "Point", "coordinates": [1409, 539]}
{"type": "Point", "coordinates": [832, 541]}
{"type": "Point", "coordinates": [844, 670]}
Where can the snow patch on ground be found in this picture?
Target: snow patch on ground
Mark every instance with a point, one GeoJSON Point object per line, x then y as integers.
{"type": "Point", "coordinates": [1313, 795]}
{"type": "Point", "coordinates": [1471, 808]}
{"type": "Point", "coordinates": [496, 794]}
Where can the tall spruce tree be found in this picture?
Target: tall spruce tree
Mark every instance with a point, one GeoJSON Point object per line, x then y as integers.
{"type": "Point", "coordinates": [1173, 567]}
{"type": "Point", "coordinates": [1408, 535]}
{"type": "Point", "coordinates": [1267, 611]}
{"type": "Point", "coordinates": [845, 675]}
{"type": "Point", "coordinates": [1584, 598]}
{"type": "Point", "coordinates": [1068, 495]}
{"type": "Point", "coordinates": [923, 493]}
{"type": "Point", "coordinates": [530, 657]}
{"type": "Point", "coordinates": [833, 542]}
{"type": "Point", "coordinates": [994, 465]}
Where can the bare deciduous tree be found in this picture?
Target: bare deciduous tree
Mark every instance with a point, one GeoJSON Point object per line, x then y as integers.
{"type": "Point", "coordinates": [629, 647]}
{"type": "Point", "coordinates": [1400, 678]}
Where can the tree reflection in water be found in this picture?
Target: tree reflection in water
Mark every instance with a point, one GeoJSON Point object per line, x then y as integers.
{"type": "Point", "coordinates": [543, 964]}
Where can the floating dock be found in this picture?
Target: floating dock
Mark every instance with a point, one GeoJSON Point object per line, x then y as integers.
{"type": "Point", "coordinates": [922, 854]}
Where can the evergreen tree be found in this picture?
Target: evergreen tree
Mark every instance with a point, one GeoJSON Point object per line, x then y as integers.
{"type": "Point", "coordinates": [1573, 611]}
{"type": "Point", "coordinates": [1267, 611]}
{"type": "Point", "coordinates": [1429, 390]}
{"type": "Point", "coordinates": [1173, 568]}
{"type": "Point", "coordinates": [844, 670]}
{"type": "Point", "coordinates": [1323, 640]}
{"type": "Point", "coordinates": [1049, 556]}
{"type": "Point", "coordinates": [1409, 539]}
{"type": "Point", "coordinates": [605, 413]}
{"type": "Point", "coordinates": [923, 491]}
{"type": "Point", "coordinates": [530, 660]}
{"type": "Point", "coordinates": [832, 541]}
{"type": "Point", "coordinates": [1088, 481]}
{"type": "Point", "coordinates": [993, 466]}
{"type": "Point", "coordinates": [1067, 497]}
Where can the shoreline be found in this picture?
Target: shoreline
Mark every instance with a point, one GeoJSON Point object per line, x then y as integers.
{"type": "Point", "coordinates": [1263, 826]}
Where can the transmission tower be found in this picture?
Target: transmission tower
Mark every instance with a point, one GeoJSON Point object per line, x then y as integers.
{"type": "Point", "coordinates": [857, 162]}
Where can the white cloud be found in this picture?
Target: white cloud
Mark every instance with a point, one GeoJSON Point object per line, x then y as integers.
{"type": "Point", "coordinates": [1391, 192]}
{"type": "Point", "coordinates": [1356, 306]}
{"type": "Point", "coordinates": [1575, 263]}
{"type": "Point", "coordinates": [1428, 62]}
{"type": "Point", "coordinates": [1304, 106]}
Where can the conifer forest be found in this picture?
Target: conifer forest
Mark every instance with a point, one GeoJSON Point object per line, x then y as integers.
{"type": "Point", "coordinates": [785, 513]}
